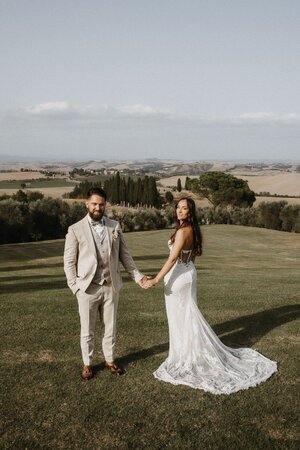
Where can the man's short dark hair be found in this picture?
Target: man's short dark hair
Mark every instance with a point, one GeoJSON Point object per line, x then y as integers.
{"type": "Point", "coordinates": [96, 191]}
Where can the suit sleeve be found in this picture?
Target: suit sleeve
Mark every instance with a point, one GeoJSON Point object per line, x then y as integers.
{"type": "Point", "coordinates": [126, 259]}
{"type": "Point", "coordinates": [70, 259]}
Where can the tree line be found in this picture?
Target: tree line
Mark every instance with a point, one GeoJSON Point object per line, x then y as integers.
{"type": "Point", "coordinates": [29, 216]}
{"type": "Point", "coordinates": [123, 191]}
{"type": "Point", "coordinates": [272, 215]}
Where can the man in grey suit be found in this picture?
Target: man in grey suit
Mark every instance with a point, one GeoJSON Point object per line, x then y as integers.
{"type": "Point", "coordinates": [93, 248]}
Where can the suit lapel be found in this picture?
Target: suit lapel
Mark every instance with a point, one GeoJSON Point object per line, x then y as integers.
{"type": "Point", "coordinates": [89, 236]}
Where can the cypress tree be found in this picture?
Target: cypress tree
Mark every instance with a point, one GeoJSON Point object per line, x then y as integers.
{"type": "Point", "coordinates": [137, 191]}
{"type": "Point", "coordinates": [153, 193]}
{"type": "Point", "coordinates": [179, 187]}
{"type": "Point", "coordinates": [123, 196]}
{"type": "Point", "coordinates": [146, 191]}
{"type": "Point", "coordinates": [117, 188]}
{"type": "Point", "coordinates": [130, 191]}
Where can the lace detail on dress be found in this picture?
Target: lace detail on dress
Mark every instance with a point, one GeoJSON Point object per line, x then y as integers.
{"type": "Point", "coordinates": [185, 257]}
{"type": "Point", "coordinates": [197, 358]}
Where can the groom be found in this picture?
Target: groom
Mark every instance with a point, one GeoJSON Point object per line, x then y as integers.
{"type": "Point", "coordinates": [93, 248]}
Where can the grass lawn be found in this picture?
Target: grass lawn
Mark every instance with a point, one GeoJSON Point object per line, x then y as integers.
{"type": "Point", "coordinates": [248, 289]}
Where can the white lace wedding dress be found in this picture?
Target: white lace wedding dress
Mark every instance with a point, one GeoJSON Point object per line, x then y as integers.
{"type": "Point", "coordinates": [197, 358]}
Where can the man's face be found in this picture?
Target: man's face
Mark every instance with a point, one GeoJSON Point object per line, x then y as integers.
{"type": "Point", "coordinates": [96, 206]}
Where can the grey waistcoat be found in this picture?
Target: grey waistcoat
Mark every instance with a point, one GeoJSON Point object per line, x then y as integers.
{"type": "Point", "coordinates": [102, 274]}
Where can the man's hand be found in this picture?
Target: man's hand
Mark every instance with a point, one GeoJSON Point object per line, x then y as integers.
{"type": "Point", "coordinates": [143, 281]}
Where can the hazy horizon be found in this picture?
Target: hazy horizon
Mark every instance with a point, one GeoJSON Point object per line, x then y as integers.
{"type": "Point", "coordinates": [10, 159]}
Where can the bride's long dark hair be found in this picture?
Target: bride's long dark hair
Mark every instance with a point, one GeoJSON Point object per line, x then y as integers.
{"type": "Point", "coordinates": [193, 222]}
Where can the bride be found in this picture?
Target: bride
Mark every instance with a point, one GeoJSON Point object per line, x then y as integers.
{"type": "Point", "coordinates": [197, 358]}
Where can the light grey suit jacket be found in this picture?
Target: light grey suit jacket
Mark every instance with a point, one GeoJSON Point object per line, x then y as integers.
{"type": "Point", "coordinates": [80, 257]}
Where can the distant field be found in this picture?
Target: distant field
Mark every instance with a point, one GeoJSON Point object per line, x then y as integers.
{"type": "Point", "coordinates": [54, 192]}
{"type": "Point", "coordinates": [8, 176]}
{"type": "Point", "coordinates": [59, 191]}
{"type": "Point", "coordinates": [290, 201]}
{"type": "Point", "coordinates": [282, 184]}
{"type": "Point", "coordinates": [203, 203]}
{"type": "Point", "coordinates": [52, 188]}
{"type": "Point", "coordinates": [37, 184]}
{"type": "Point", "coordinates": [248, 290]}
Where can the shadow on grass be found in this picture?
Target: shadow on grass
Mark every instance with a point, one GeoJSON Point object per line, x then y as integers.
{"type": "Point", "coordinates": [27, 277]}
{"type": "Point", "coordinates": [247, 330]}
{"type": "Point", "coordinates": [35, 286]}
{"type": "Point", "coordinates": [254, 327]}
{"type": "Point", "coordinates": [142, 354]}
{"type": "Point", "coordinates": [29, 251]}
{"type": "Point", "coordinates": [30, 267]}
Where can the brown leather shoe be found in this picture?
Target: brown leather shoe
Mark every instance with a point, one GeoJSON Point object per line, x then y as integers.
{"type": "Point", "coordinates": [87, 372]}
{"type": "Point", "coordinates": [114, 368]}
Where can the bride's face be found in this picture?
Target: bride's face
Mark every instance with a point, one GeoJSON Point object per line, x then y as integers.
{"type": "Point", "coordinates": [182, 210]}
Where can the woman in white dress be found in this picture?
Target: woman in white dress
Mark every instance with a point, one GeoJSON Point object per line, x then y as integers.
{"type": "Point", "coordinates": [197, 358]}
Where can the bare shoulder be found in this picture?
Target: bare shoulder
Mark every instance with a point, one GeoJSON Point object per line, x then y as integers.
{"type": "Point", "coordinates": [184, 232]}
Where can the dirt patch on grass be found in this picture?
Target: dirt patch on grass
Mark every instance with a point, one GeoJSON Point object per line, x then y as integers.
{"type": "Point", "coordinates": [11, 357]}
{"type": "Point", "coordinates": [45, 356]}
{"type": "Point", "coordinates": [274, 427]}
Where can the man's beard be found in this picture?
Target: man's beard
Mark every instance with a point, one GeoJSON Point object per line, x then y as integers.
{"type": "Point", "coordinates": [96, 216]}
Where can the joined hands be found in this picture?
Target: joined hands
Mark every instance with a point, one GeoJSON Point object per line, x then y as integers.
{"type": "Point", "coordinates": [146, 282]}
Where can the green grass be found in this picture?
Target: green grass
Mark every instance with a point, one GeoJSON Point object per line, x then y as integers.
{"type": "Point", "coordinates": [248, 289]}
{"type": "Point", "coordinates": [38, 184]}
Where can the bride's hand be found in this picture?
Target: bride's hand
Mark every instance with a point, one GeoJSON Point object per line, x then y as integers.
{"type": "Point", "coordinates": [150, 283]}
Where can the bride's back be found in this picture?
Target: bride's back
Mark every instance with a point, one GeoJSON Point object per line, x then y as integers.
{"type": "Point", "coordinates": [186, 253]}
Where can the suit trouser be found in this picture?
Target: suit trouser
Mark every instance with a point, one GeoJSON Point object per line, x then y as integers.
{"type": "Point", "coordinates": [102, 299]}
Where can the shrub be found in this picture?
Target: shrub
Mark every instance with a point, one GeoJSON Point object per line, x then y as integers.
{"type": "Point", "coordinates": [13, 222]}
{"type": "Point", "coordinates": [269, 214]}
{"type": "Point", "coordinates": [169, 196]}
{"type": "Point", "coordinates": [290, 218]}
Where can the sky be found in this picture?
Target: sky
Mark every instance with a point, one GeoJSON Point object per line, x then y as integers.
{"type": "Point", "coordinates": [134, 79]}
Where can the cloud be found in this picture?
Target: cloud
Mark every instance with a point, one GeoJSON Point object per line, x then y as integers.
{"type": "Point", "coordinates": [258, 116]}
{"type": "Point", "coordinates": [139, 114]}
{"type": "Point", "coordinates": [48, 107]}
{"type": "Point", "coordinates": [64, 109]}
{"type": "Point", "coordinates": [59, 109]}
{"type": "Point", "coordinates": [266, 118]}
{"type": "Point", "coordinates": [143, 111]}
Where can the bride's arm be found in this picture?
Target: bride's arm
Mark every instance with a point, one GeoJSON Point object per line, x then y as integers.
{"type": "Point", "coordinates": [178, 245]}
